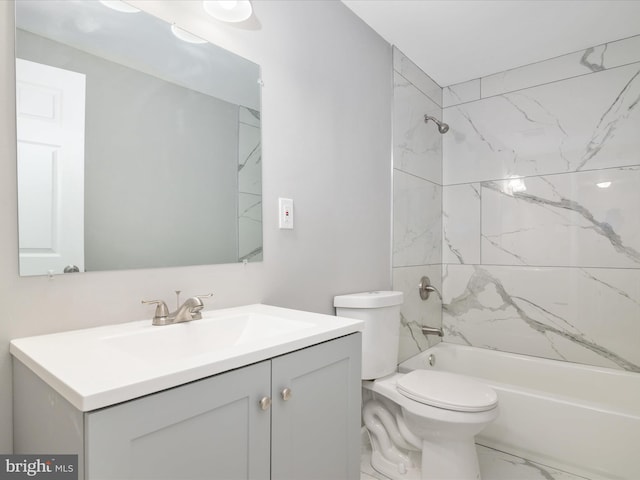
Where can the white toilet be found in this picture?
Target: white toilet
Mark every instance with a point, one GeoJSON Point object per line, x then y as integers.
{"type": "Point", "coordinates": [421, 424]}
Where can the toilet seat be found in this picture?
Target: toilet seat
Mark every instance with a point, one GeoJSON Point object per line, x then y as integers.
{"type": "Point", "coordinates": [447, 390]}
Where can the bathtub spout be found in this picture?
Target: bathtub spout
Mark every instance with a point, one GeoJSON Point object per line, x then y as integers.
{"type": "Point", "coordinates": [432, 331]}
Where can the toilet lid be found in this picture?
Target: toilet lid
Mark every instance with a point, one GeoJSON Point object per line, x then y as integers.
{"type": "Point", "coordinates": [447, 390]}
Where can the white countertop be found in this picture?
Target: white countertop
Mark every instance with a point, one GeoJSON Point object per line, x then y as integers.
{"type": "Point", "coordinates": [97, 367]}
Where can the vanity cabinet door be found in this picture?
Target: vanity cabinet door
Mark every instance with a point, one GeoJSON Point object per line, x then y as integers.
{"type": "Point", "coordinates": [209, 429]}
{"type": "Point", "coordinates": [316, 412]}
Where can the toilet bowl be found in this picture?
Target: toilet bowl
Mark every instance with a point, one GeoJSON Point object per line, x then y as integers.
{"type": "Point", "coordinates": [439, 416]}
{"type": "Point", "coordinates": [421, 424]}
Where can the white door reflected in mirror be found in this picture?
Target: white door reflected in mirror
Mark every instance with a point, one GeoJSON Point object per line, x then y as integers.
{"type": "Point", "coordinates": [50, 105]}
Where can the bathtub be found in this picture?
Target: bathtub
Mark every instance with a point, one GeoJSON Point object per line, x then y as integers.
{"type": "Point", "coordinates": [577, 418]}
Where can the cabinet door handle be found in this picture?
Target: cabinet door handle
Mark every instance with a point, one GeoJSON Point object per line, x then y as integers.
{"type": "Point", "coordinates": [265, 403]}
{"type": "Point", "coordinates": [286, 394]}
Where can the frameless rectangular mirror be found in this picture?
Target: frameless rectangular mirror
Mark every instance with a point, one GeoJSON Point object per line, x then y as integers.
{"type": "Point", "coordinates": [138, 147]}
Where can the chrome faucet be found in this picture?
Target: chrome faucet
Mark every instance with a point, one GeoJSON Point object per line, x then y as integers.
{"type": "Point", "coordinates": [189, 310]}
{"type": "Point", "coordinates": [432, 331]}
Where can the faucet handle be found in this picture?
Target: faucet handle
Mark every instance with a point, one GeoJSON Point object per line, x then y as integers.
{"type": "Point", "coordinates": [162, 311]}
{"type": "Point", "coordinates": [196, 309]}
{"type": "Point", "coordinates": [204, 296]}
{"type": "Point", "coordinates": [199, 298]}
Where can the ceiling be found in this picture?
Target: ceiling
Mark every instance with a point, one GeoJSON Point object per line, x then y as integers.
{"type": "Point", "coordinates": [458, 40]}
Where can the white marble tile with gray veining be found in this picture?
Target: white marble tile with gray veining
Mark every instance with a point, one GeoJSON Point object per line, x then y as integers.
{"type": "Point", "coordinates": [249, 227]}
{"type": "Point", "coordinates": [614, 54]}
{"type": "Point", "coordinates": [249, 116]}
{"type": "Point", "coordinates": [594, 59]}
{"type": "Point", "coordinates": [409, 70]}
{"type": "Point", "coordinates": [417, 147]}
{"type": "Point", "coordinates": [582, 219]}
{"type": "Point", "coordinates": [416, 312]}
{"type": "Point", "coordinates": [570, 314]}
{"type": "Point", "coordinates": [417, 221]}
{"type": "Point", "coordinates": [585, 123]}
{"type": "Point", "coordinates": [249, 159]}
{"type": "Point", "coordinates": [496, 465]}
{"type": "Point", "coordinates": [461, 223]}
{"type": "Point", "coordinates": [461, 93]}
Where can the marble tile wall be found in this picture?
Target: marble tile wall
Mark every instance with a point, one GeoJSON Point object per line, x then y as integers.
{"type": "Point", "coordinates": [541, 201]}
{"type": "Point", "coordinates": [409, 70]}
{"type": "Point", "coordinates": [594, 59]}
{"type": "Point", "coordinates": [417, 201]}
{"type": "Point", "coordinates": [249, 186]}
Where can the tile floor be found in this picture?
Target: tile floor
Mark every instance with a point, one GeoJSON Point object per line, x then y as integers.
{"type": "Point", "coordinates": [494, 465]}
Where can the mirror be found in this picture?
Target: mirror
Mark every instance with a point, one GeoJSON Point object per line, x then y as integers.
{"type": "Point", "coordinates": [136, 148]}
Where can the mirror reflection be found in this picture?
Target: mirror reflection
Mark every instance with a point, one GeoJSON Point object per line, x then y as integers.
{"type": "Point", "coordinates": [138, 143]}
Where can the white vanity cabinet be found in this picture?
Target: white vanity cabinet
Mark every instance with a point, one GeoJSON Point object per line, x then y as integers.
{"type": "Point", "coordinates": [214, 428]}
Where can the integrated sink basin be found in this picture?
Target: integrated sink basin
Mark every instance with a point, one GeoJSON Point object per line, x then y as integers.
{"type": "Point", "coordinates": [181, 341]}
{"type": "Point", "coordinates": [97, 367]}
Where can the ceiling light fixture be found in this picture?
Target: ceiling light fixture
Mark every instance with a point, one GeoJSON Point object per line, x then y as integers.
{"type": "Point", "coordinates": [228, 10]}
{"type": "Point", "coordinates": [186, 36]}
{"type": "Point", "coordinates": [603, 184]}
{"type": "Point", "coordinates": [119, 6]}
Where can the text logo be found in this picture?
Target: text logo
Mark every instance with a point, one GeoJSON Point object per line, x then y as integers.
{"type": "Point", "coordinates": [50, 467]}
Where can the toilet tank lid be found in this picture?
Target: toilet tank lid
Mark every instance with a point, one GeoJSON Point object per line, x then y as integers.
{"type": "Point", "coordinates": [368, 299]}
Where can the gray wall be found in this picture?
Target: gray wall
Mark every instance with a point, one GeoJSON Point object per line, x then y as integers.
{"type": "Point", "coordinates": [160, 165]}
{"type": "Point", "coordinates": [327, 137]}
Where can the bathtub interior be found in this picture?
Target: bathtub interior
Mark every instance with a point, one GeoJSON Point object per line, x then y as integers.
{"type": "Point", "coordinates": [580, 419]}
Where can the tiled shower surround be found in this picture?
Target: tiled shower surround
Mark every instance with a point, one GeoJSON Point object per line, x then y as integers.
{"type": "Point", "coordinates": [417, 201]}
{"type": "Point", "coordinates": [525, 215]}
{"type": "Point", "coordinates": [535, 191]}
{"type": "Point", "coordinates": [541, 209]}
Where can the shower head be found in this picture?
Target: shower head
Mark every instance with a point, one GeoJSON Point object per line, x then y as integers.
{"type": "Point", "coordinates": [442, 127]}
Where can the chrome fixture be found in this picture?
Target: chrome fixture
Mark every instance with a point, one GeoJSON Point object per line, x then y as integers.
{"type": "Point", "coordinates": [189, 310]}
{"type": "Point", "coordinates": [265, 403]}
{"type": "Point", "coordinates": [286, 394]}
{"type": "Point", "coordinates": [442, 127]}
{"type": "Point", "coordinates": [431, 359]}
{"type": "Point", "coordinates": [432, 331]}
{"type": "Point", "coordinates": [425, 288]}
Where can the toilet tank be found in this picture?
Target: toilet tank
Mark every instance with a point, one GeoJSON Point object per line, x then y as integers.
{"type": "Point", "coordinates": [380, 312]}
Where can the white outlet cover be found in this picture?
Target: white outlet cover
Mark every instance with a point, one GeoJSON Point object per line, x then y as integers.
{"type": "Point", "coordinates": [285, 213]}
